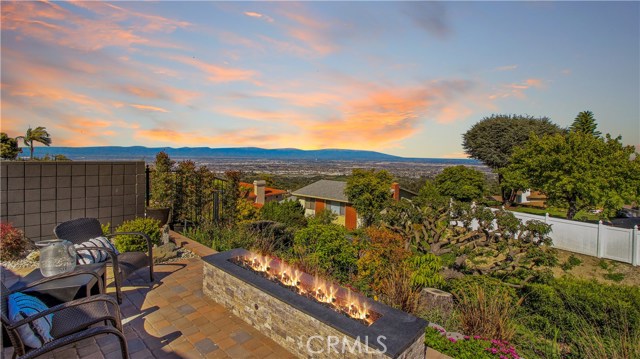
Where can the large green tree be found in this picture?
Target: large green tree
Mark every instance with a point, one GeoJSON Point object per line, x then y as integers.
{"type": "Point", "coordinates": [577, 170]}
{"type": "Point", "coordinates": [461, 183]}
{"type": "Point", "coordinates": [493, 139]}
{"type": "Point", "coordinates": [38, 134]}
{"type": "Point", "coordinates": [9, 149]}
{"type": "Point", "coordinates": [585, 123]}
{"type": "Point", "coordinates": [369, 191]}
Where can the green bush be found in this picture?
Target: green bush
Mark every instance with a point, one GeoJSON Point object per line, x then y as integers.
{"type": "Point", "coordinates": [289, 213]}
{"type": "Point", "coordinates": [571, 262]}
{"type": "Point", "coordinates": [326, 249]}
{"type": "Point", "coordinates": [221, 238]}
{"type": "Point", "coordinates": [561, 308]}
{"type": "Point", "coordinates": [426, 270]}
{"type": "Point", "coordinates": [616, 277]}
{"type": "Point", "coordinates": [270, 237]}
{"type": "Point", "coordinates": [129, 243]}
{"type": "Point", "coordinates": [492, 286]}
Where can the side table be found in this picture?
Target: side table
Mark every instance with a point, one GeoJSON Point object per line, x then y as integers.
{"type": "Point", "coordinates": [65, 289]}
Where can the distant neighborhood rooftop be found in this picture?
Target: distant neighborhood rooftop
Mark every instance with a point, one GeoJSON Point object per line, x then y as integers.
{"type": "Point", "coordinates": [324, 189]}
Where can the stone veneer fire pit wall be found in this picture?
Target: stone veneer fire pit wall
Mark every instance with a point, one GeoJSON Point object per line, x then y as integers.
{"type": "Point", "coordinates": [305, 327]}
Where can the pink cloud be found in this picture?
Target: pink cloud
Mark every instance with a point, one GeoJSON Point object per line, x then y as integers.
{"type": "Point", "coordinates": [216, 73]}
{"type": "Point", "coordinates": [149, 108]}
{"type": "Point", "coordinates": [506, 68]}
{"type": "Point", "coordinates": [107, 25]}
{"type": "Point", "coordinates": [517, 89]}
{"type": "Point", "coordinates": [258, 15]}
{"type": "Point", "coordinates": [250, 136]}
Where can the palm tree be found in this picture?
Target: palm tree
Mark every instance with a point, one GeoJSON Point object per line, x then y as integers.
{"type": "Point", "coordinates": [39, 134]}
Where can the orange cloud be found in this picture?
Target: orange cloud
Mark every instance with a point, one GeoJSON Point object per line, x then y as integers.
{"type": "Point", "coordinates": [148, 108]}
{"type": "Point", "coordinates": [302, 99]}
{"type": "Point", "coordinates": [84, 131]}
{"type": "Point", "coordinates": [167, 93]}
{"type": "Point", "coordinates": [252, 137]}
{"type": "Point", "coordinates": [455, 155]}
{"type": "Point", "coordinates": [43, 95]}
{"type": "Point", "coordinates": [115, 26]}
{"type": "Point", "coordinates": [279, 116]}
{"type": "Point", "coordinates": [217, 73]}
{"type": "Point", "coordinates": [310, 33]}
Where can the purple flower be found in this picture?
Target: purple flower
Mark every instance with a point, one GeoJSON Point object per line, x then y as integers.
{"type": "Point", "coordinates": [453, 340]}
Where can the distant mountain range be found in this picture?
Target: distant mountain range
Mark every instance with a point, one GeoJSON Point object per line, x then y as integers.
{"type": "Point", "coordinates": [148, 154]}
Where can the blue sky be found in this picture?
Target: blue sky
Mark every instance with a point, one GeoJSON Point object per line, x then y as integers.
{"type": "Point", "coordinates": [405, 78]}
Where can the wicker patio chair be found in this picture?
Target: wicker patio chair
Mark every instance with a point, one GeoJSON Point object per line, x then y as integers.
{"type": "Point", "coordinates": [72, 321]}
{"type": "Point", "coordinates": [80, 230]}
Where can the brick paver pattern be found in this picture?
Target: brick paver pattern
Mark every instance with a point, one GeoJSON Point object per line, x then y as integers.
{"type": "Point", "coordinates": [173, 319]}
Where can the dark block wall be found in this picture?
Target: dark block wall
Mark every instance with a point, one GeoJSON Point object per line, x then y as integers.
{"type": "Point", "coordinates": [35, 196]}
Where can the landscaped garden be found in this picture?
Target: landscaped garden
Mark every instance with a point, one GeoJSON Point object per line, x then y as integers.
{"type": "Point", "coordinates": [506, 298]}
{"type": "Point", "coordinates": [512, 294]}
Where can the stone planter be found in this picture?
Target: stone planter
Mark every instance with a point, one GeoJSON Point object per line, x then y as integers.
{"type": "Point", "coordinates": [161, 214]}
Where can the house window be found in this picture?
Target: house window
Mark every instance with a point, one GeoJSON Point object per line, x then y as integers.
{"type": "Point", "coordinates": [310, 203]}
{"type": "Point", "coordinates": [337, 208]}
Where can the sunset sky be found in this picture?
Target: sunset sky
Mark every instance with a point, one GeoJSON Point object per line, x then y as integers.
{"type": "Point", "coordinates": [404, 78]}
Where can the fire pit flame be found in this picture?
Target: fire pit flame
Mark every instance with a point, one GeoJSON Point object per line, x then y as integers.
{"type": "Point", "coordinates": [320, 290]}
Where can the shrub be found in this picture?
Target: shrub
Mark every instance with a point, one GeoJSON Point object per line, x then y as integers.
{"type": "Point", "coordinates": [326, 249]}
{"type": "Point", "coordinates": [378, 249]}
{"type": "Point", "coordinates": [616, 277]}
{"type": "Point", "coordinates": [486, 307]}
{"type": "Point", "coordinates": [426, 268]}
{"type": "Point", "coordinates": [290, 213]}
{"type": "Point", "coordinates": [605, 343]}
{"type": "Point", "coordinates": [324, 216]}
{"type": "Point", "coordinates": [198, 234]}
{"type": "Point", "coordinates": [269, 236]}
{"type": "Point", "coordinates": [571, 262]}
{"type": "Point", "coordinates": [128, 243]}
{"type": "Point", "coordinates": [221, 238]}
{"type": "Point", "coordinates": [470, 347]}
{"type": "Point", "coordinates": [562, 307]}
{"type": "Point", "coordinates": [12, 243]}
{"type": "Point", "coordinates": [397, 290]}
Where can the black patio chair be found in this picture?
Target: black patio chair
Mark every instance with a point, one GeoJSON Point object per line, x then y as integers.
{"type": "Point", "coordinates": [81, 230]}
{"type": "Point", "coordinates": [72, 321]}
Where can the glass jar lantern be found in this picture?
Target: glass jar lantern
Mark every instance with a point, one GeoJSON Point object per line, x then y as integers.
{"type": "Point", "coordinates": [56, 256]}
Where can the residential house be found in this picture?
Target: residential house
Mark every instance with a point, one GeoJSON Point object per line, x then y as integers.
{"type": "Point", "coordinates": [329, 195]}
{"type": "Point", "coordinates": [259, 193]}
{"type": "Point", "coordinates": [531, 198]}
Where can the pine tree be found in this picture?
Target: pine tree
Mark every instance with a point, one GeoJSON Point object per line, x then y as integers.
{"type": "Point", "coordinates": [585, 123]}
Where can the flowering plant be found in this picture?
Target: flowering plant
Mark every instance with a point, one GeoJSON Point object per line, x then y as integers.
{"type": "Point", "coordinates": [467, 347]}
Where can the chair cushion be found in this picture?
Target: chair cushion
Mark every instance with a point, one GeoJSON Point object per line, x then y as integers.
{"type": "Point", "coordinates": [87, 256]}
{"type": "Point", "coordinates": [36, 333]}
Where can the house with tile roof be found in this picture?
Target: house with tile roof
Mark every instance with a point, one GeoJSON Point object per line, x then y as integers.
{"type": "Point", "coordinates": [258, 193]}
{"type": "Point", "coordinates": [329, 195]}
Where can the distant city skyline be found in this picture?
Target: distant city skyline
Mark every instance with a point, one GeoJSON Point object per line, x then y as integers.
{"type": "Point", "coordinates": [403, 78]}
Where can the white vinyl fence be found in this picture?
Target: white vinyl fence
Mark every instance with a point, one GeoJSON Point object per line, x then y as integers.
{"type": "Point", "coordinates": [597, 240]}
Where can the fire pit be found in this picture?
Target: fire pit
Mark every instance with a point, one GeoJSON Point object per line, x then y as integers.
{"type": "Point", "coordinates": [308, 315]}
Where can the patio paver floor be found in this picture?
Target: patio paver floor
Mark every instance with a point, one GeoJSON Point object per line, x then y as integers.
{"type": "Point", "coordinates": [175, 320]}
